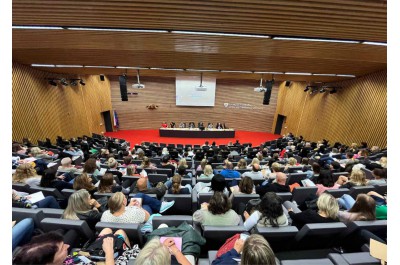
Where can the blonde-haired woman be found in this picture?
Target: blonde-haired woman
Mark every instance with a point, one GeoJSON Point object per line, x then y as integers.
{"type": "Point", "coordinates": [177, 188]}
{"type": "Point", "coordinates": [254, 161]}
{"type": "Point", "coordinates": [328, 209]}
{"type": "Point", "coordinates": [113, 168]}
{"type": "Point", "coordinates": [25, 173]}
{"type": "Point", "coordinates": [202, 165]}
{"type": "Point", "coordinates": [82, 207]}
{"type": "Point", "coordinates": [208, 173]}
{"type": "Point", "coordinates": [118, 212]}
{"type": "Point", "coordinates": [146, 164]}
{"type": "Point", "coordinates": [357, 178]}
{"type": "Point", "coordinates": [182, 163]}
{"type": "Point", "coordinates": [157, 253]}
{"type": "Point", "coordinates": [242, 164]}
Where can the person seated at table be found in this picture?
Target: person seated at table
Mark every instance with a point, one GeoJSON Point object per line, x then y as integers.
{"type": "Point", "coordinates": [201, 125]}
{"type": "Point", "coordinates": [172, 124]}
{"type": "Point", "coordinates": [219, 126]}
{"type": "Point", "coordinates": [191, 125]}
{"type": "Point", "coordinates": [210, 125]}
{"type": "Point", "coordinates": [182, 125]}
{"type": "Point", "coordinates": [164, 124]}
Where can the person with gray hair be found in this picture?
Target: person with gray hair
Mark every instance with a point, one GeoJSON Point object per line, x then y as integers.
{"type": "Point", "coordinates": [157, 253]}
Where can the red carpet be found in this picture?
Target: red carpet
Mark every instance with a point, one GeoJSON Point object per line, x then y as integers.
{"type": "Point", "coordinates": [138, 136]}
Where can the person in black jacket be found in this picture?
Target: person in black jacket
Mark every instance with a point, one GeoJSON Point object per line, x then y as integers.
{"type": "Point", "coordinates": [328, 209]}
{"type": "Point", "coordinates": [82, 207]}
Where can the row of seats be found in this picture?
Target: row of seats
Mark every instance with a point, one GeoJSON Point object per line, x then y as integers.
{"type": "Point", "coordinates": [281, 239]}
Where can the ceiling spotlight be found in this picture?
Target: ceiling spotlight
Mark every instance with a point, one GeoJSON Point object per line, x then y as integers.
{"type": "Point", "coordinates": [63, 81]}
{"type": "Point", "coordinates": [52, 82]}
{"type": "Point", "coordinates": [322, 90]}
{"type": "Point", "coordinates": [82, 82]}
{"type": "Point", "coordinates": [333, 91]}
{"type": "Point", "coordinates": [73, 83]}
{"type": "Point", "coordinates": [307, 88]}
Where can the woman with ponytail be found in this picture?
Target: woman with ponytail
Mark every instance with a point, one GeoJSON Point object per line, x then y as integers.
{"type": "Point", "coordinates": [177, 188]}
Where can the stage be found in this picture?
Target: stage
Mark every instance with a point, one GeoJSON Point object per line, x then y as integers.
{"type": "Point", "coordinates": [138, 136]}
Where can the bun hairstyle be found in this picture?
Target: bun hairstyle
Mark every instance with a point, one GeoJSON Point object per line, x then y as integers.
{"type": "Point", "coordinates": [112, 162]}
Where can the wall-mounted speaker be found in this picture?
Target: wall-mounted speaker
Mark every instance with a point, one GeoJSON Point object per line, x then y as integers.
{"type": "Point", "coordinates": [102, 77]}
{"type": "Point", "coordinates": [123, 88]}
{"type": "Point", "coordinates": [267, 93]}
{"type": "Point", "coordinates": [287, 84]}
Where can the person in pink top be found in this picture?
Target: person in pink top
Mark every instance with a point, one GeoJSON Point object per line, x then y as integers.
{"type": "Point", "coordinates": [325, 182]}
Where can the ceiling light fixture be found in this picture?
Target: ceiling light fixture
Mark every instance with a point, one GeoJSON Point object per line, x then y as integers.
{"type": "Point", "coordinates": [220, 34]}
{"type": "Point", "coordinates": [260, 88]}
{"type": "Point", "coordinates": [293, 73]}
{"type": "Point", "coordinates": [324, 74]}
{"type": "Point", "coordinates": [82, 82]}
{"type": "Point", "coordinates": [69, 66]}
{"type": "Point", "coordinates": [98, 66]}
{"type": "Point", "coordinates": [119, 30]}
{"type": "Point", "coordinates": [52, 82]}
{"type": "Point", "coordinates": [42, 65]}
{"type": "Point", "coordinates": [318, 40]}
{"type": "Point", "coordinates": [274, 73]}
{"type": "Point", "coordinates": [374, 43]}
{"type": "Point", "coordinates": [63, 82]}
{"type": "Point", "coordinates": [346, 75]}
{"type": "Point", "coordinates": [166, 69]}
{"type": "Point", "coordinates": [201, 70]}
{"type": "Point", "coordinates": [37, 27]}
{"type": "Point", "coordinates": [239, 72]}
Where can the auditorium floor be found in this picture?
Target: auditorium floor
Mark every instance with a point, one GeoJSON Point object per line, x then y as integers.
{"type": "Point", "coordinates": [138, 136]}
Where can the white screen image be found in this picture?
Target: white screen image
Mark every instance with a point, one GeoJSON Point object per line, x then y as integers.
{"type": "Point", "coordinates": [189, 92]}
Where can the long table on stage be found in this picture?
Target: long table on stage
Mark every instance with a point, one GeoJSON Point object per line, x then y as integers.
{"type": "Point", "coordinates": [197, 133]}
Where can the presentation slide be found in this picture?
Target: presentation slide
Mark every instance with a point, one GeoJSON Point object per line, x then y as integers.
{"type": "Point", "coordinates": [190, 93]}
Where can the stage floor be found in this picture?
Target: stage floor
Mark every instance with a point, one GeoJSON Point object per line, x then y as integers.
{"type": "Point", "coordinates": [138, 136]}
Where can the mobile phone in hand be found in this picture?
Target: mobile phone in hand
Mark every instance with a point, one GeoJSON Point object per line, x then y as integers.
{"type": "Point", "coordinates": [244, 236]}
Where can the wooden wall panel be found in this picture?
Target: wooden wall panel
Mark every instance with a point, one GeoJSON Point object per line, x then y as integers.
{"type": "Point", "coordinates": [356, 113]}
{"type": "Point", "coordinates": [40, 110]}
{"type": "Point", "coordinates": [133, 114]}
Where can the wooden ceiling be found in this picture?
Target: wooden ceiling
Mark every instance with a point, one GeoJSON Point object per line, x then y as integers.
{"type": "Point", "coordinates": [361, 20]}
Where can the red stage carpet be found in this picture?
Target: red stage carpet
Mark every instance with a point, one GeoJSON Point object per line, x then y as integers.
{"type": "Point", "coordinates": [138, 136]}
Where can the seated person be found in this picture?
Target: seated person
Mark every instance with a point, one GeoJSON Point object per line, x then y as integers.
{"type": "Point", "coordinates": [210, 125]}
{"type": "Point", "coordinates": [82, 207]}
{"type": "Point", "coordinates": [270, 213]}
{"type": "Point", "coordinates": [91, 167]}
{"type": "Point", "coordinates": [361, 209]}
{"type": "Point", "coordinates": [218, 183]}
{"type": "Point", "coordinates": [182, 172]}
{"type": "Point", "coordinates": [21, 200]}
{"type": "Point", "coordinates": [182, 125]}
{"type": "Point", "coordinates": [254, 250]}
{"type": "Point", "coordinates": [201, 126]}
{"type": "Point", "coordinates": [84, 181]}
{"type": "Point", "coordinates": [325, 182]}
{"type": "Point", "coordinates": [113, 168]}
{"type": "Point", "coordinates": [50, 180]}
{"type": "Point", "coordinates": [357, 178]}
{"type": "Point", "coordinates": [219, 126]}
{"type": "Point", "coordinates": [278, 185]}
{"type": "Point", "coordinates": [255, 172]}
{"type": "Point", "coordinates": [136, 211]}
{"type": "Point", "coordinates": [191, 125]}
{"type": "Point", "coordinates": [172, 124]}
{"type": "Point", "coordinates": [242, 164]}
{"type": "Point", "coordinates": [26, 174]}
{"type": "Point", "coordinates": [66, 166]}
{"type": "Point", "coordinates": [207, 173]}
{"type": "Point", "coordinates": [328, 209]}
{"type": "Point", "coordinates": [22, 232]}
{"type": "Point", "coordinates": [157, 253]}
{"type": "Point", "coordinates": [146, 164]}
{"type": "Point", "coordinates": [217, 212]}
{"type": "Point", "coordinates": [228, 171]}
{"type": "Point", "coordinates": [165, 163]}
{"type": "Point", "coordinates": [164, 124]}
{"type": "Point", "coordinates": [381, 206]}
{"type": "Point", "coordinates": [141, 186]}
{"type": "Point", "coordinates": [175, 186]}
{"type": "Point", "coordinates": [73, 151]}
{"type": "Point", "coordinates": [108, 185]}
{"type": "Point", "coordinates": [380, 176]}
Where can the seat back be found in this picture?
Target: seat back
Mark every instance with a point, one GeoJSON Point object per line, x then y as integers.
{"type": "Point", "coordinates": [48, 192]}
{"type": "Point", "coordinates": [368, 173]}
{"type": "Point", "coordinates": [67, 192]}
{"type": "Point", "coordinates": [337, 193]}
{"type": "Point", "coordinates": [381, 188]}
{"type": "Point", "coordinates": [377, 227]}
{"type": "Point", "coordinates": [205, 197]}
{"type": "Point", "coordinates": [182, 205]}
{"type": "Point", "coordinates": [322, 261]}
{"type": "Point", "coordinates": [285, 196]}
{"type": "Point", "coordinates": [52, 213]}
{"type": "Point", "coordinates": [318, 236]}
{"type": "Point", "coordinates": [51, 224]}
{"type": "Point", "coordinates": [300, 194]}
{"type": "Point", "coordinates": [295, 169]}
{"type": "Point", "coordinates": [337, 174]}
{"type": "Point", "coordinates": [354, 191]}
{"type": "Point", "coordinates": [295, 178]}
{"type": "Point", "coordinates": [217, 235]}
{"type": "Point", "coordinates": [280, 238]}
{"type": "Point", "coordinates": [19, 214]}
{"type": "Point", "coordinates": [98, 195]}
{"type": "Point", "coordinates": [164, 171]}
{"type": "Point", "coordinates": [357, 258]}
{"type": "Point", "coordinates": [171, 220]}
{"type": "Point", "coordinates": [132, 231]}
{"type": "Point", "coordinates": [238, 199]}
{"type": "Point", "coordinates": [155, 178]}
{"type": "Point", "coordinates": [21, 187]}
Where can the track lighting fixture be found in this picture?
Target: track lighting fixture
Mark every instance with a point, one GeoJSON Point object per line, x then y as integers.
{"type": "Point", "coordinates": [65, 81]}
{"type": "Point", "coordinates": [52, 82]}
{"type": "Point", "coordinates": [322, 90]}
{"type": "Point", "coordinates": [73, 83]}
{"type": "Point", "coordinates": [82, 82]}
{"type": "Point", "coordinates": [333, 91]}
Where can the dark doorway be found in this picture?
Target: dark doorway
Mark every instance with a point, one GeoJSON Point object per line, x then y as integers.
{"type": "Point", "coordinates": [279, 122]}
{"type": "Point", "coordinates": [107, 120]}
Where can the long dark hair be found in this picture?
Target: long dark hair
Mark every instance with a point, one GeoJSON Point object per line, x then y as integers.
{"type": "Point", "coordinates": [325, 178]}
{"type": "Point", "coordinates": [365, 207]}
{"type": "Point", "coordinates": [47, 178]}
{"type": "Point", "coordinates": [271, 208]}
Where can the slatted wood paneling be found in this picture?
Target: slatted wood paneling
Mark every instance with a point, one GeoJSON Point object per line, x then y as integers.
{"type": "Point", "coordinates": [355, 113]}
{"type": "Point", "coordinates": [40, 110]}
{"type": "Point", "coordinates": [133, 114]}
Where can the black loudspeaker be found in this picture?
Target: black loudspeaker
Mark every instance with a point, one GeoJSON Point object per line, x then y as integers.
{"type": "Point", "coordinates": [102, 77]}
{"type": "Point", "coordinates": [287, 83]}
{"type": "Point", "coordinates": [123, 89]}
{"type": "Point", "coordinates": [267, 93]}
